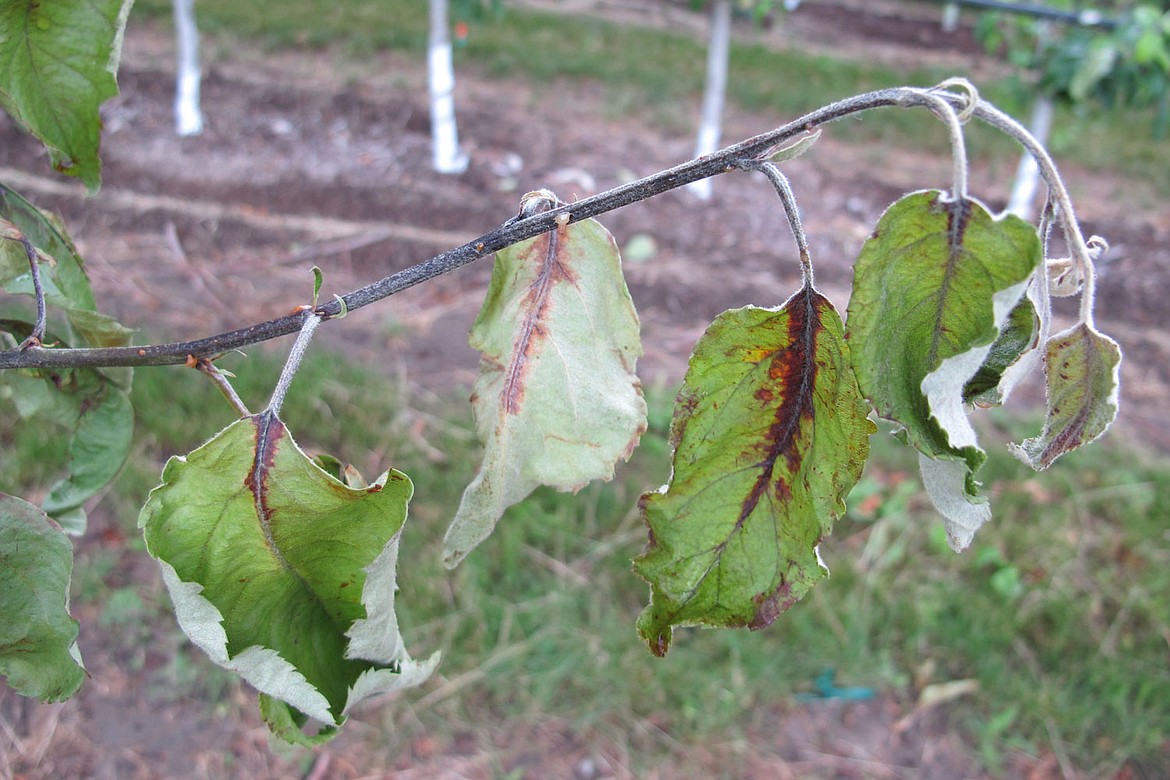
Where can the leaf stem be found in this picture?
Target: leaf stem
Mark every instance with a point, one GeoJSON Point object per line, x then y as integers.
{"type": "Point", "coordinates": [946, 114]}
{"type": "Point", "coordinates": [37, 337]}
{"type": "Point", "coordinates": [205, 367]}
{"type": "Point", "coordinates": [1058, 194]}
{"type": "Point", "coordinates": [788, 198]}
{"type": "Point", "coordinates": [309, 326]}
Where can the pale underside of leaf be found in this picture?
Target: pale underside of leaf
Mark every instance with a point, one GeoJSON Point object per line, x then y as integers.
{"type": "Point", "coordinates": [1082, 375]}
{"type": "Point", "coordinates": [770, 434]}
{"type": "Point", "coordinates": [557, 402]}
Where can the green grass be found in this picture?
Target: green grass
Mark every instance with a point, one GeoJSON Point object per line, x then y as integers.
{"type": "Point", "coordinates": [658, 76]}
{"type": "Point", "coordinates": [1059, 612]}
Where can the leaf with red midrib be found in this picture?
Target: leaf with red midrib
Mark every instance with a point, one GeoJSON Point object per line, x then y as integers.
{"type": "Point", "coordinates": [283, 573]}
{"type": "Point", "coordinates": [557, 401]}
{"type": "Point", "coordinates": [770, 433]}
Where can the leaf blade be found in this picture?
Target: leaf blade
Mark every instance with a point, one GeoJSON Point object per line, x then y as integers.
{"type": "Point", "coordinates": [60, 61]}
{"type": "Point", "coordinates": [1082, 380]}
{"type": "Point", "coordinates": [932, 288]}
{"type": "Point", "coordinates": [770, 434]}
{"type": "Point", "coordinates": [292, 584]}
{"type": "Point", "coordinates": [557, 401]}
{"type": "Point", "coordinates": [38, 638]}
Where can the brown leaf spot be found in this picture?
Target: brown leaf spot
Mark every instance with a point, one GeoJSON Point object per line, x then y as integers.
{"type": "Point", "coordinates": [770, 606]}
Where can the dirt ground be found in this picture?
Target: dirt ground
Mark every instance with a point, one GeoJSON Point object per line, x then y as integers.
{"type": "Point", "coordinates": [309, 159]}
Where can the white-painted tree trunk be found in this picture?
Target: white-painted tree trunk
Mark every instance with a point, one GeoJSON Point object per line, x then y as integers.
{"type": "Point", "coordinates": [188, 118]}
{"type": "Point", "coordinates": [1022, 202]}
{"type": "Point", "coordinates": [711, 121]}
{"type": "Point", "coordinates": [950, 17]}
{"type": "Point", "coordinates": [446, 155]}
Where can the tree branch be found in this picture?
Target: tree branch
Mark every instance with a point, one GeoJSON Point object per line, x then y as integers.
{"type": "Point", "coordinates": [513, 231]}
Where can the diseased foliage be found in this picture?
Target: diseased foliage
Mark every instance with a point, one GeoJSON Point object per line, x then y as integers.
{"type": "Point", "coordinates": [283, 568]}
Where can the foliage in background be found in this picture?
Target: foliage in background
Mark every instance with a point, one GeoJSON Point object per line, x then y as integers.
{"type": "Point", "coordinates": [1125, 64]}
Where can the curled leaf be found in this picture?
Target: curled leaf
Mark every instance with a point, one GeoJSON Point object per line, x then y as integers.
{"type": "Point", "coordinates": [770, 434]}
{"type": "Point", "coordinates": [932, 289]}
{"type": "Point", "coordinates": [282, 573]}
{"type": "Point", "coordinates": [1082, 376]}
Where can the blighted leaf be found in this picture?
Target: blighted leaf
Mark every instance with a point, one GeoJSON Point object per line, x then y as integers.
{"type": "Point", "coordinates": [280, 572]}
{"type": "Point", "coordinates": [1017, 336]}
{"type": "Point", "coordinates": [770, 433]}
{"type": "Point", "coordinates": [557, 401]}
{"type": "Point", "coordinates": [59, 60]}
{"type": "Point", "coordinates": [931, 289]}
{"type": "Point", "coordinates": [38, 638]}
{"type": "Point", "coordinates": [1082, 369]}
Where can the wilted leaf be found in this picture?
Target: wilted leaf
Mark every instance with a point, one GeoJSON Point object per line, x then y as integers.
{"type": "Point", "coordinates": [557, 401]}
{"type": "Point", "coordinates": [770, 434]}
{"type": "Point", "coordinates": [280, 572]}
{"type": "Point", "coordinates": [59, 60]}
{"type": "Point", "coordinates": [931, 289]}
{"type": "Point", "coordinates": [38, 638]}
{"type": "Point", "coordinates": [1082, 369]}
{"type": "Point", "coordinates": [1017, 336]}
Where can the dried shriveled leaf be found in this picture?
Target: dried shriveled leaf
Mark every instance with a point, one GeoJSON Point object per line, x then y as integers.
{"type": "Point", "coordinates": [770, 434]}
{"type": "Point", "coordinates": [283, 574]}
{"type": "Point", "coordinates": [1082, 369]}
{"type": "Point", "coordinates": [38, 638]}
{"type": "Point", "coordinates": [557, 401]}
{"type": "Point", "coordinates": [932, 288]}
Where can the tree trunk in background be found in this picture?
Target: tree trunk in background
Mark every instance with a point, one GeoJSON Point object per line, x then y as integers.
{"type": "Point", "coordinates": [188, 118]}
{"type": "Point", "coordinates": [1022, 202]}
{"type": "Point", "coordinates": [446, 155]}
{"type": "Point", "coordinates": [711, 122]}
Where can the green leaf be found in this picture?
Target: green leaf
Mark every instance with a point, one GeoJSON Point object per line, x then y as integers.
{"type": "Point", "coordinates": [91, 404]}
{"type": "Point", "coordinates": [58, 62]}
{"type": "Point", "coordinates": [931, 289]}
{"type": "Point", "coordinates": [1082, 369]}
{"type": "Point", "coordinates": [288, 723]}
{"type": "Point", "coordinates": [1017, 336]}
{"type": "Point", "coordinates": [97, 449]}
{"type": "Point", "coordinates": [557, 401]}
{"type": "Point", "coordinates": [280, 572]}
{"type": "Point", "coordinates": [770, 434]}
{"type": "Point", "coordinates": [38, 638]}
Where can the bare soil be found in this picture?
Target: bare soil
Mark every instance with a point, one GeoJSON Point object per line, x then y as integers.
{"type": "Point", "coordinates": [309, 159]}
